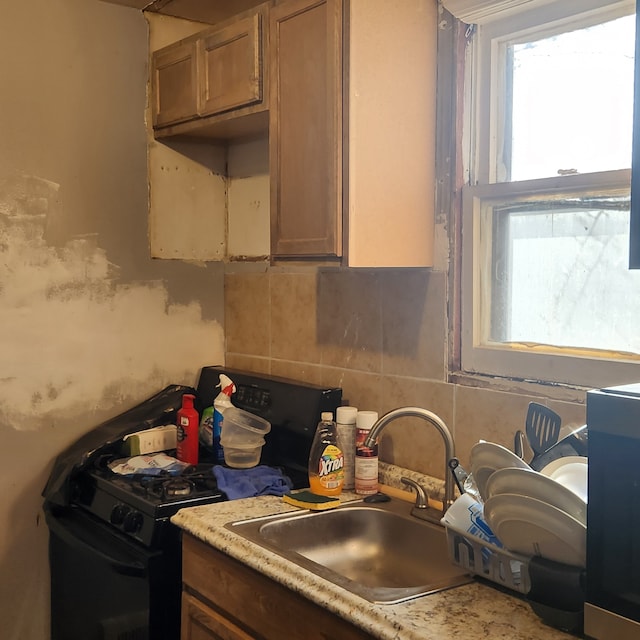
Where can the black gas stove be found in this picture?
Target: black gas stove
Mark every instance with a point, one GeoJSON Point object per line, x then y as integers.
{"type": "Point", "coordinates": [115, 556]}
{"type": "Point", "coordinates": [140, 505]}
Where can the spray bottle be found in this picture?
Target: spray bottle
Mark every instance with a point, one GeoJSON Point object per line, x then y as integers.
{"type": "Point", "coordinates": [187, 431]}
{"type": "Point", "coordinates": [222, 402]}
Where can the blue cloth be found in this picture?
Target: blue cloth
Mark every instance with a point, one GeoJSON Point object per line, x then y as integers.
{"type": "Point", "coordinates": [257, 481]}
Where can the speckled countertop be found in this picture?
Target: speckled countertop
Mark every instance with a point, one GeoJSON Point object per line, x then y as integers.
{"type": "Point", "coordinates": [471, 611]}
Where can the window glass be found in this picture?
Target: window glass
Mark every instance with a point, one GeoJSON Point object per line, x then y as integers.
{"type": "Point", "coordinates": [571, 106]}
{"type": "Point", "coordinates": [546, 290]}
{"type": "Point", "coordinates": [560, 274]}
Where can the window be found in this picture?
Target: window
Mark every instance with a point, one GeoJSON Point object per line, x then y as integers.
{"type": "Point", "coordinates": [547, 293]}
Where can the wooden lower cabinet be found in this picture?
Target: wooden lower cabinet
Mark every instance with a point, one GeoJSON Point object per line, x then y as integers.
{"type": "Point", "coordinates": [224, 599]}
{"type": "Point", "coordinates": [200, 622]}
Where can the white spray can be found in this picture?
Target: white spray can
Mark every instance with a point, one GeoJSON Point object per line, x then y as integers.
{"type": "Point", "coordinates": [346, 425]}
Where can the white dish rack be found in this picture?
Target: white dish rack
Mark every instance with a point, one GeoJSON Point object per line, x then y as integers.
{"type": "Point", "coordinates": [487, 561]}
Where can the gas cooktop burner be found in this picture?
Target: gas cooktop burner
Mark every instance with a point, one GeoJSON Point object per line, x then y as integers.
{"type": "Point", "coordinates": [179, 487]}
{"type": "Point", "coordinates": [165, 487]}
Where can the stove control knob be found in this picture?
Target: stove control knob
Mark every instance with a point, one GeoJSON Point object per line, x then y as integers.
{"type": "Point", "coordinates": [132, 522]}
{"type": "Point", "coordinates": [118, 514]}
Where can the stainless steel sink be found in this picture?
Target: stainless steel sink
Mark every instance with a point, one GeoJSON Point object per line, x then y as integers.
{"type": "Point", "coordinates": [377, 551]}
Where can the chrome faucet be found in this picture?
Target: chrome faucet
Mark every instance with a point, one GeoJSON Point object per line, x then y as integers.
{"type": "Point", "coordinates": [443, 430]}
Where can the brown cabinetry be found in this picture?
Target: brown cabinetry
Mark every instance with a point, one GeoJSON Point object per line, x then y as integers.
{"type": "Point", "coordinates": [306, 128]}
{"type": "Point", "coordinates": [224, 599]}
{"type": "Point", "coordinates": [352, 128]}
{"type": "Point", "coordinates": [214, 84]}
{"type": "Point", "coordinates": [345, 91]}
{"type": "Point", "coordinates": [175, 82]}
{"type": "Point", "coordinates": [200, 622]}
{"type": "Point", "coordinates": [232, 66]}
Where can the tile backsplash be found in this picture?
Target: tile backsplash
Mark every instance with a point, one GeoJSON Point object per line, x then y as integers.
{"type": "Point", "coordinates": [382, 336]}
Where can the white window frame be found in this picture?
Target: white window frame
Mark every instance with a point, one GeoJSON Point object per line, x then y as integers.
{"type": "Point", "coordinates": [578, 368]}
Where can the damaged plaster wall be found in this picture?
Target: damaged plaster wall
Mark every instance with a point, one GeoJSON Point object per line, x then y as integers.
{"type": "Point", "coordinates": [120, 328]}
{"type": "Point", "coordinates": [89, 323]}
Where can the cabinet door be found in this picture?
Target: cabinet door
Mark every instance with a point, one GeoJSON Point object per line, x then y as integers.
{"type": "Point", "coordinates": [175, 84]}
{"type": "Point", "coordinates": [232, 66]}
{"type": "Point", "coordinates": [199, 622]}
{"type": "Point", "coordinates": [306, 128]}
{"type": "Point", "coordinates": [267, 609]}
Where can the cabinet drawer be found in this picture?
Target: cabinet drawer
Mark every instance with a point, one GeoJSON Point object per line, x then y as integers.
{"type": "Point", "coordinates": [231, 66]}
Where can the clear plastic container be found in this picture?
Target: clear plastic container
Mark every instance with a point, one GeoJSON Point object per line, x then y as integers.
{"type": "Point", "coordinates": [243, 428]}
{"type": "Point", "coordinates": [241, 455]}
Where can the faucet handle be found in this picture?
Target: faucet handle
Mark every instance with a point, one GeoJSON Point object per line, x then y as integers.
{"type": "Point", "coordinates": [421, 508]}
{"type": "Point", "coordinates": [422, 501]}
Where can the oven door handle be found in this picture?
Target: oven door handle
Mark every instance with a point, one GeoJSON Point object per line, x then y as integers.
{"type": "Point", "coordinates": [72, 536]}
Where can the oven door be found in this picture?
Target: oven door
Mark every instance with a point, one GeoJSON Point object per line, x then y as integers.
{"type": "Point", "coordinates": [107, 587]}
{"type": "Point", "coordinates": [612, 609]}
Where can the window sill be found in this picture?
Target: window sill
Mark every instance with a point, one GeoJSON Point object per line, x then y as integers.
{"type": "Point", "coordinates": [552, 390]}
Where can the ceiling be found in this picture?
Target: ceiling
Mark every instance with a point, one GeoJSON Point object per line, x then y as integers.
{"type": "Point", "coordinates": [210, 11]}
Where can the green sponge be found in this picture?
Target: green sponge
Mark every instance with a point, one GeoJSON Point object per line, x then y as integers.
{"type": "Point", "coordinates": [307, 500]}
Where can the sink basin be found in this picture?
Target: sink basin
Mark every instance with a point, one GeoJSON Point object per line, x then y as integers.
{"type": "Point", "coordinates": [377, 551]}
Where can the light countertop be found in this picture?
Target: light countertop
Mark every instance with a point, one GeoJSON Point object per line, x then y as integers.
{"type": "Point", "coordinates": [471, 612]}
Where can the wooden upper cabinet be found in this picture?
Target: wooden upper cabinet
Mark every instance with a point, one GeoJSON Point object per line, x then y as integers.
{"type": "Point", "coordinates": [352, 131]}
{"type": "Point", "coordinates": [232, 66]}
{"type": "Point", "coordinates": [175, 84]}
{"type": "Point", "coordinates": [214, 84]}
{"type": "Point", "coordinates": [346, 90]}
{"type": "Point", "coordinates": [306, 128]}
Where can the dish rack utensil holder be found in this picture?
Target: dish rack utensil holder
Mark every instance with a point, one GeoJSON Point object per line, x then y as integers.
{"type": "Point", "coordinates": [485, 560]}
{"type": "Point", "coordinates": [555, 592]}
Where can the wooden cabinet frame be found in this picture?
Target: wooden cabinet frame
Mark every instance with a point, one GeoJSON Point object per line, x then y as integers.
{"type": "Point", "coordinates": [224, 599]}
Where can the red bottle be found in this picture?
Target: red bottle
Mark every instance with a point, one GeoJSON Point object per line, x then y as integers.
{"type": "Point", "coordinates": [187, 436]}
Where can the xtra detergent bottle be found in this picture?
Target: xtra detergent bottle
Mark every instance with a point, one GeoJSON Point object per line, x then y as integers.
{"type": "Point", "coordinates": [326, 462]}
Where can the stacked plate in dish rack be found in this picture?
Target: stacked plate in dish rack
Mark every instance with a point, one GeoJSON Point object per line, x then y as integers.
{"type": "Point", "coordinates": [533, 513]}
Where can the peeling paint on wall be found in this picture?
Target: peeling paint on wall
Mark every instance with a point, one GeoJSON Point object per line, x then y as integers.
{"type": "Point", "coordinates": [72, 336]}
{"type": "Point", "coordinates": [89, 323]}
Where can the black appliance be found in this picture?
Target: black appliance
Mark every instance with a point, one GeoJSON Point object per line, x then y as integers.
{"type": "Point", "coordinates": [114, 555]}
{"type": "Point", "coordinates": [612, 608]}
{"type": "Point", "coordinates": [575, 443]}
